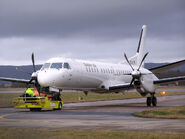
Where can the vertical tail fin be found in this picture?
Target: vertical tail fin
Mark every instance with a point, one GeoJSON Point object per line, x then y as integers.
{"type": "Point", "coordinates": [136, 59]}
{"type": "Point", "coordinates": [140, 49]}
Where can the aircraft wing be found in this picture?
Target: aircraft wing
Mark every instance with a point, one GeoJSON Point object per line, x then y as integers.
{"type": "Point", "coordinates": [167, 66]}
{"type": "Point", "coordinates": [15, 80]}
{"type": "Point", "coordinates": [166, 80]}
{"type": "Point", "coordinates": [126, 86]}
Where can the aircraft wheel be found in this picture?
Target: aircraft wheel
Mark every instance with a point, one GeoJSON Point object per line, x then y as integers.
{"type": "Point", "coordinates": [148, 101]}
{"type": "Point", "coordinates": [154, 101]}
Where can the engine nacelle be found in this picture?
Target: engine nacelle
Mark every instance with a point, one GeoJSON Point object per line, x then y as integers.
{"type": "Point", "coordinates": [145, 85]}
{"type": "Point", "coordinates": [141, 91]}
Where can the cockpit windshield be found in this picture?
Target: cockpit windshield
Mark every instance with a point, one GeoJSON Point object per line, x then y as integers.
{"type": "Point", "coordinates": [56, 65]}
{"type": "Point", "coordinates": [45, 66]}
{"type": "Point", "coordinates": [66, 66]}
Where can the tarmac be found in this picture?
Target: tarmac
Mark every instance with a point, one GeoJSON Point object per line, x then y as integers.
{"type": "Point", "coordinates": [115, 114]}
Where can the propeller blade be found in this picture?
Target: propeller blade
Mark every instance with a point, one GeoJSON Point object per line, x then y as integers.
{"type": "Point", "coordinates": [38, 87]}
{"type": "Point", "coordinates": [30, 81]}
{"type": "Point", "coordinates": [142, 61]}
{"type": "Point", "coordinates": [132, 81]}
{"type": "Point", "coordinates": [33, 62]}
{"type": "Point", "coordinates": [128, 61]}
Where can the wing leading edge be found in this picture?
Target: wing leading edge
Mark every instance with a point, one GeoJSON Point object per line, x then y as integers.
{"type": "Point", "coordinates": [172, 79]}
{"type": "Point", "coordinates": [16, 80]}
{"type": "Point", "coordinates": [127, 86]}
{"type": "Point", "coordinates": [167, 66]}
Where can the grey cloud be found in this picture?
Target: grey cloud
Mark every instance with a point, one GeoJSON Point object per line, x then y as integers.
{"type": "Point", "coordinates": [89, 29]}
{"type": "Point", "coordinates": [101, 19]}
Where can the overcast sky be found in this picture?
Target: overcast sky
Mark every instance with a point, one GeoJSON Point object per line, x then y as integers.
{"type": "Point", "coordinates": [90, 29]}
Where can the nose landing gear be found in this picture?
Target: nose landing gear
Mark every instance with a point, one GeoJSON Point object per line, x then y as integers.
{"type": "Point", "coordinates": [151, 100]}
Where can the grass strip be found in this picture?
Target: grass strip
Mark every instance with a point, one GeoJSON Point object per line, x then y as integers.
{"type": "Point", "coordinates": [37, 133]}
{"type": "Point", "coordinates": [168, 113]}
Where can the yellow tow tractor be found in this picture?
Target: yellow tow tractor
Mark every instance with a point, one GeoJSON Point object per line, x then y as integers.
{"type": "Point", "coordinates": [38, 101]}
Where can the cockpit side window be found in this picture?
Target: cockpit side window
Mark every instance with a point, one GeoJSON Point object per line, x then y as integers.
{"type": "Point", "coordinates": [66, 66]}
{"type": "Point", "coordinates": [45, 66]}
{"type": "Point", "coordinates": [56, 65]}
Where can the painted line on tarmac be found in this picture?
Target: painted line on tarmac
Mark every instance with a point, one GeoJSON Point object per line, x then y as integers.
{"type": "Point", "coordinates": [3, 116]}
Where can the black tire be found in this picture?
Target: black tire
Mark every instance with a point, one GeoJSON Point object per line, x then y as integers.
{"type": "Point", "coordinates": [59, 106]}
{"type": "Point", "coordinates": [154, 101]}
{"type": "Point", "coordinates": [35, 109]}
{"type": "Point", "coordinates": [148, 101]}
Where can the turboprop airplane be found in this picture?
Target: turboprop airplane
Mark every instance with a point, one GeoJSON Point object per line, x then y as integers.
{"type": "Point", "coordinates": [73, 74]}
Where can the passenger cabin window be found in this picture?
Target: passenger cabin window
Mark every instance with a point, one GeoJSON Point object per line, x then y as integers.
{"type": "Point", "coordinates": [66, 66]}
{"type": "Point", "coordinates": [56, 65]}
{"type": "Point", "coordinates": [45, 66]}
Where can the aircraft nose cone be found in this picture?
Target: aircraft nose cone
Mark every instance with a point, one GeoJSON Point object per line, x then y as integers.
{"type": "Point", "coordinates": [41, 77]}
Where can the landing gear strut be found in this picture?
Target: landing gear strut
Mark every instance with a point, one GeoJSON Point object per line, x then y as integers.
{"type": "Point", "coordinates": [151, 100]}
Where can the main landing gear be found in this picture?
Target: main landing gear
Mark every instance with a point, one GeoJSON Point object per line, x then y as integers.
{"type": "Point", "coordinates": [151, 100]}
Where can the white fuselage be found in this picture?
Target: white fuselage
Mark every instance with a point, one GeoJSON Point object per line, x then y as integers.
{"type": "Point", "coordinates": [85, 75]}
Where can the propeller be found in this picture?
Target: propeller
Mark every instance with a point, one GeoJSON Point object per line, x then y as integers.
{"type": "Point", "coordinates": [34, 75]}
{"type": "Point", "coordinates": [136, 74]}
